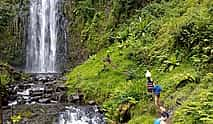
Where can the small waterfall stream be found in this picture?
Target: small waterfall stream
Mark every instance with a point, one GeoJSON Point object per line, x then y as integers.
{"type": "Point", "coordinates": [81, 115]}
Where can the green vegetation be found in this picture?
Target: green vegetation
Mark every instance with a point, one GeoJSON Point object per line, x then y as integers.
{"type": "Point", "coordinates": [93, 23]}
{"type": "Point", "coordinates": [4, 80]}
{"type": "Point", "coordinates": [11, 31]}
{"type": "Point", "coordinates": [8, 75]}
{"type": "Point", "coordinates": [171, 38]}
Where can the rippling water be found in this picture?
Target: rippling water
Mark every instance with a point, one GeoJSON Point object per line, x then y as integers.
{"type": "Point", "coordinates": [81, 115]}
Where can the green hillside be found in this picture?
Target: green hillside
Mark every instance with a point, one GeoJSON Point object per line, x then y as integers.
{"type": "Point", "coordinates": [171, 38]}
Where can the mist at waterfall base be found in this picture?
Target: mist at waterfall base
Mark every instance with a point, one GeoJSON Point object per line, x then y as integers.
{"type": "Point", "coordinates": [46, 37]}
{"type": "Point", "coordinates": [81, 115]}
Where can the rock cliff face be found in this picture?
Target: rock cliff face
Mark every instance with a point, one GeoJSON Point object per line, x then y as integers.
{"type": "Point", "coordinates": [12, 34]}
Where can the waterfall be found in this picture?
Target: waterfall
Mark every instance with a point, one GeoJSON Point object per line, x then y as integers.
{"type": "Point", "coordinates": [43, 31]}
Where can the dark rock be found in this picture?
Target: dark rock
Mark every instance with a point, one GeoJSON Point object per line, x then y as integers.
{"type": "Point", "coordinates": [63, 98]}
{"type": "Point", "coordinates": [184, 82]}
{"type": "Point", "coordinates": [49, 90]}
{"type": "Point", "coordinates": [16, 75]}
{"type": "Point", "coordinates": [21, 86]}
{"type": "Point", "coordinates": [81, 97]}
{"type": "Point", "coordinates": [36, 93]}
{"type": "Point", "coordinates": [12, 98]}
{"type": "Point", "coordinates": [4, 101]}
{"type": "Point", "coordinates": [47, 95]}
{"type": "Point", "coordinates": [61, 88]}
{"type": "Point", "coordinates": [124, 112]}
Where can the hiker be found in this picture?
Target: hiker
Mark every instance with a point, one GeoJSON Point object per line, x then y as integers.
{"type": "Point", "coordinates": [156, 90]}
{"type": "Point", "coordinates": [163, 119]}
{"type": "Point", "coordinates": [149, 82]}
{"type": "Point", "coordinates": [164, 116]}
{"type": "Point", "coordinates": [107, 59]}
{"type": "Point", "coordinates": [164, 112]}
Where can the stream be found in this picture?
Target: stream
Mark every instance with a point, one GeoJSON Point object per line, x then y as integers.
{"type": "Point", "coordinates": [42, 99]}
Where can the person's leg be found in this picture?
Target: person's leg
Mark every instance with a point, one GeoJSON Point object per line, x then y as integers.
{"type": "Point", "coordinates": [157, 100]}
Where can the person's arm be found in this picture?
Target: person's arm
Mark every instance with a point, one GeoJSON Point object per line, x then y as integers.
{"type": "Point", "coordinates": [154, 89]}
{"type": "Point", "coordinates": [160, 89]}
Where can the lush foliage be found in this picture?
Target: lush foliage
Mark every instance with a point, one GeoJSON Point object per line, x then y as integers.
{"type": "Point", "coordinates": [11, 33]}
{"type": "Point", "coordinates": [174, 40]}
{"type": "Point", "coordinates": [5, 78]}
{"type": "Point", "coordinates": [93, 22]}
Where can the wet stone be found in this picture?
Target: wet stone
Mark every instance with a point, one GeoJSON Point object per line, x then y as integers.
{"type": "Point", "coordinates": [91, 102]}
{"type": "Point", "coordinates": [36, 98]}
{"type": "Point", "coordinates": [75, 97]}
{"type": "Point", "coordinates": [45, 100]}
{"type": "Point", "coordinates": [36, 93]}
{"type": "Point", "coordinates": [61, 88]}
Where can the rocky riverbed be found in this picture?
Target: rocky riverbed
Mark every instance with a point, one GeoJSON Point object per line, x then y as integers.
{"type": "Point", "coordinates": [42, 99]}
{"type": "Point", "coordinates": [42, 88]}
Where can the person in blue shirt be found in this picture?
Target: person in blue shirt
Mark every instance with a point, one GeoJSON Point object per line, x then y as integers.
{"type": "Point", "coordinates": [157, 90]}
{"type": "Point", "coordinates": [163, 119]}
{"type": "Point", "coordinates": [157, 121]}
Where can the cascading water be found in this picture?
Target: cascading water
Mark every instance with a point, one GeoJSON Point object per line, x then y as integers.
{"type": "Point", "coordinates": [43, 31]}
{"type": "Point", "coordinates": [81, 115]}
